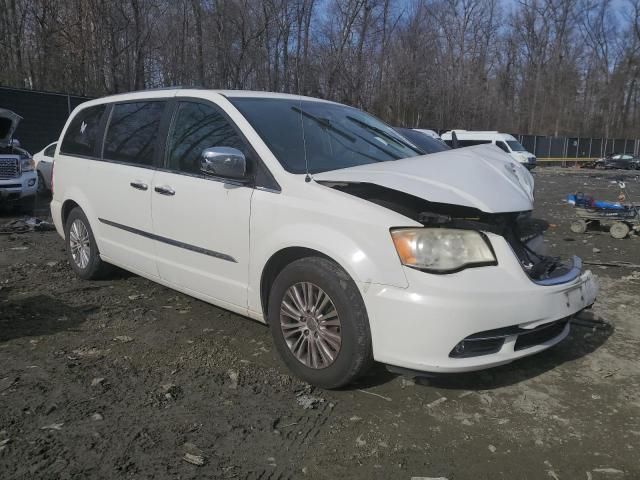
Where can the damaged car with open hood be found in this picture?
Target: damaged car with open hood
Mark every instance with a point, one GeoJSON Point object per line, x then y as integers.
{"type": "Point", "coordinates": [320, 221]}
{"type": "Point", "coordinates": [18, 178]}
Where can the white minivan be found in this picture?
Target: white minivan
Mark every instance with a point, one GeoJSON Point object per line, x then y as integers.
{"type": "Point", "coordinates": [319, 220]}
{"type": "Point", "coordinates": [508, 143]}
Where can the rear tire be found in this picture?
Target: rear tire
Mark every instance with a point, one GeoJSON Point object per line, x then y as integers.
{"type": "Point", "coordinates": [82, 249]}
{"type": "Point", "coordinates": [327, 341]}
{"type": "Point", "coordinates": [619, 230]}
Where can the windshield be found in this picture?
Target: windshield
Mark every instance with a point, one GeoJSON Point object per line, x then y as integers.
{"type": "Point", "coordinates": [515, 146]}
{"type": "Point", "coordinates": [332, 136]}
{"type": "Point", "coordinates": [423, 141]}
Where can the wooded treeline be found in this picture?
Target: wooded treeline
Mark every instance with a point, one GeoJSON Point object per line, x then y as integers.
{"type": "Point", "coordinates": [529, 66]}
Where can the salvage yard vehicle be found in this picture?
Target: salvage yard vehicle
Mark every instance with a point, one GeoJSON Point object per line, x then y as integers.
{"type": "Point", "coordinates": [18, 180]}
{"type": "Point", "coordinates": [505, 142]}
{"type": "Point", "coordinates": [427, 143]}
{"type": "Point", "coordinates": [622, 161]}
{"type": "Point", "coordinates": [319, 220]}
{"type": "Point", "coordinates": [44, 166]}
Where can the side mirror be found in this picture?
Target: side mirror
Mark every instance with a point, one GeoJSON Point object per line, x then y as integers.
{"type": "Point", "coordinates": [15, 143]}
{"type": "Point", "coordinates": [223, 162]}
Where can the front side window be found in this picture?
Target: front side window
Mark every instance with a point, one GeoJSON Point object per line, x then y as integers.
{"type": "Point", "coordinates": [515, 146]}
{"type": "Point", "coordinates": [83, 132]}
{"type": "Point", "coordinates": [133, 132]}
{"type": "Point", "coordinates": [196, 127]}
{"type": "Point", "coordinates": [315, 136]}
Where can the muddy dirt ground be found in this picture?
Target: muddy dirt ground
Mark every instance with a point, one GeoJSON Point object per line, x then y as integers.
{"type": "Point", "coordinates": [127, 379]}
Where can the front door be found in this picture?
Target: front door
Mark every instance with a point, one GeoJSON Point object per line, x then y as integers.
{"type": "Point", "coordinates": [201, 223]}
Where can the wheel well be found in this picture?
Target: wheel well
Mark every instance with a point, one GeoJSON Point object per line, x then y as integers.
{"type": "Point", "coordinates": [67, 206]}
{"type": "Point", "coordinates": [274, 266]}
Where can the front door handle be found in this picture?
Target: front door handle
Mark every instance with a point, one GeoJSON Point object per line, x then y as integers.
{"type": "Point", "coordinates": [165, 190]}
{"type": "Point", "coordinates": [139, 185]}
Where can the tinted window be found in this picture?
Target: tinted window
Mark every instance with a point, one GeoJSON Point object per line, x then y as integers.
{"type": "Point", "coordinates": [502, 146]}
{"type": "Point", "coordinates": [423, 141]}
{"type": "Point", "coordinates": [83, 132]}
{"type": "Point", "coordinates": [132, 132]}
{"type": "Point", "coordinates": [198, 126]}
{"type": "Point", "coordinates": [322, 136]}
{"type": "Point", "coordinates": [515, 146]}
{"type": "Point", "coordinates": [50, 150]}
{"type": "Point", "coordinates": [471, 143]}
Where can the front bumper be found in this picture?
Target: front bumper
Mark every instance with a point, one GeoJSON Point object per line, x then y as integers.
{"type": "Point", "coordinates": [419, 327]}
{"type": "Point", "coordinates": [15, 189]}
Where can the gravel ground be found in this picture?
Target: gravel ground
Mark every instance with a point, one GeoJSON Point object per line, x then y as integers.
{"type": "Point", "coordinates": [127, 379]}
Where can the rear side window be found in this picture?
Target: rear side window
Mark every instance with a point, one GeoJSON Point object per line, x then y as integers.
{"type": "Point", "coordinates": [132, 133]}
{"type": "Point", "coordinates": [198, 126]}
{"type": "Point", "coordinates": [471, 143]}
{"type": "Point", "coordinates": [83, 132]}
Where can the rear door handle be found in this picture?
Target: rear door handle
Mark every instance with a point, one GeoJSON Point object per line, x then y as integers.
{"type": "Point", "coordinates": [165, 190]}
{"type": "Point", "coordinates": [139, 185]}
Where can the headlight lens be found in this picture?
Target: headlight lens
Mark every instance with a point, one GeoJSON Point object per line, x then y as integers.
{"type": "Point", "coordinates": [442, 250]}
{"type": "Point", "coordinates": [27, 164]}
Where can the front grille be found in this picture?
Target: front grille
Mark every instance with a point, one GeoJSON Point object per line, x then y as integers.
{"type": "Point", "coordinates": [9, 168]}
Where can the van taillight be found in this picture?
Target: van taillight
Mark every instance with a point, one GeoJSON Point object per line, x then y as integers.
{"type": "Point", "coordinates": [53, 164]}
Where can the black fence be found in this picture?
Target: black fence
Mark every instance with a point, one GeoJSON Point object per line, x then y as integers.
{"type": "Point", "coordinates": [43, 114]}
{"type": "Point", "coordinates": [577, 147]}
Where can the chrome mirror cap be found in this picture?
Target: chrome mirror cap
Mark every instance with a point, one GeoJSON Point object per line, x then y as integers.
{"type": "Point", "coordinates": [223, 162]}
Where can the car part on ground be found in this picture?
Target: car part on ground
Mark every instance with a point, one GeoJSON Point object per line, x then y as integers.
{"type": "Point", "coordinates": [26, 224]}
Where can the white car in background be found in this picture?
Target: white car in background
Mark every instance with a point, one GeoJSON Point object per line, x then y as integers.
{"type": "Point", "coordinates": [44, 167]}
{"type": "Point", "coordinates": [322, 222]}
{"type": "Point", "coordinates": [430, 133]}
{"type": "Point", "coordinates": [505, 142]}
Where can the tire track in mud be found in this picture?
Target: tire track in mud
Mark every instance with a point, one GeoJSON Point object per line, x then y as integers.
{"type": "Point", "coordinates": [297, 433]}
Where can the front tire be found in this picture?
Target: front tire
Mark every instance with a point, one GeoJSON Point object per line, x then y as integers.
{"type": "Point", "coordinates": [579, 226]}
{"type": "Point", "coordinates": [82, 249]}
{"type": "Point", "coordinates": [319, 323]}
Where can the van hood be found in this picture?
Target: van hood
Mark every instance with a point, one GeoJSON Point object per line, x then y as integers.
{"type": "Point", "coordinates": [8, 123]}
{"type": "Point", "coordinates": [480, 177]}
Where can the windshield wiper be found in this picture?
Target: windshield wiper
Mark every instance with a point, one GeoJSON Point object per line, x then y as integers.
{"type": "Point", "coordinates": [324, 123]}
{"type": "Point", "coordinates": [388, 135]}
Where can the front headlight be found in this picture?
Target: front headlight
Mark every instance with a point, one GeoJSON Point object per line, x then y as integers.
{"type": "Point", "coordinates": [27, 164]}
{"type": "Point", "coordinates": [442, 250]}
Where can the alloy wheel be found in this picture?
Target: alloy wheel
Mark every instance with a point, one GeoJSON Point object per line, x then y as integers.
{"type": "Point", "coordinates": [79, 243]}
{"type": "Point", "coordinates": [310, 325]}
